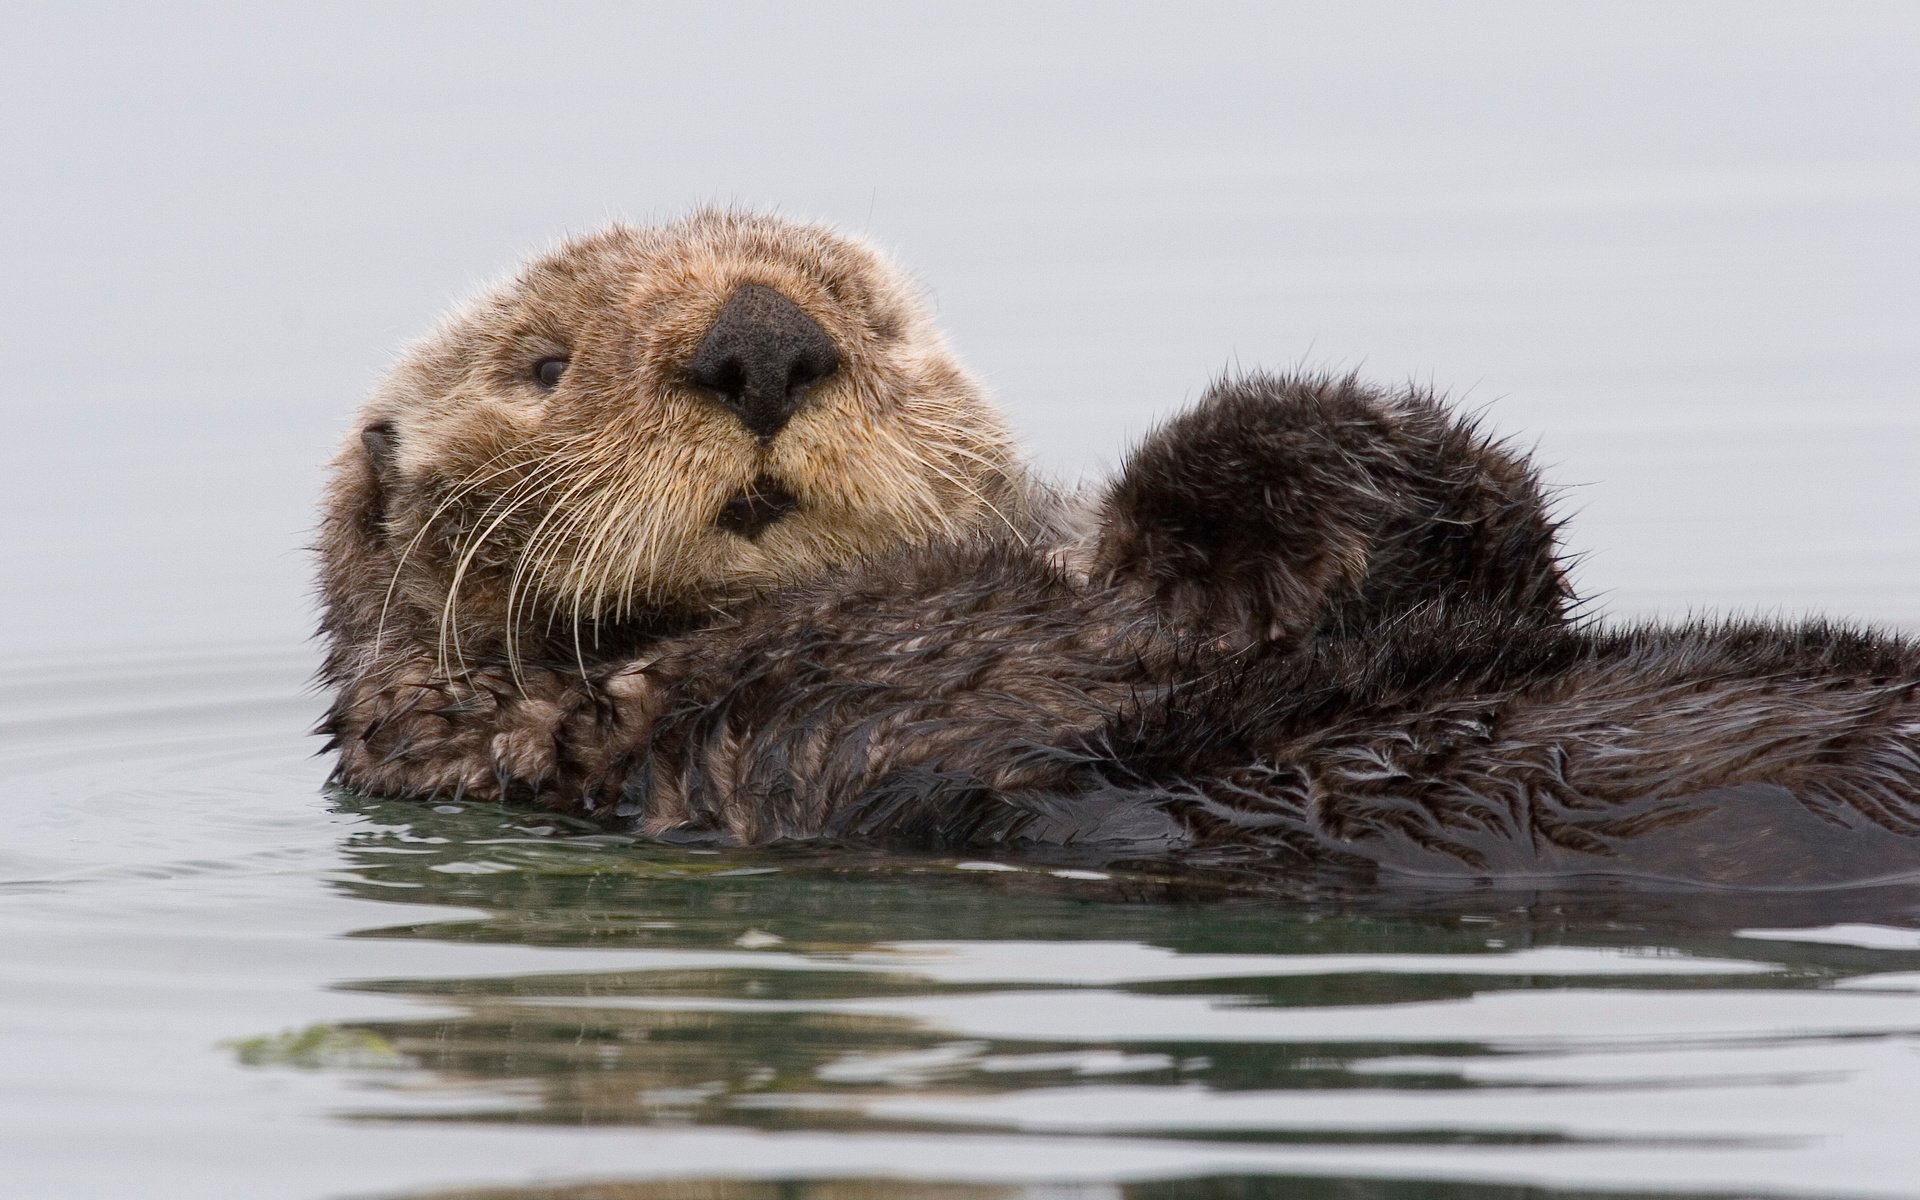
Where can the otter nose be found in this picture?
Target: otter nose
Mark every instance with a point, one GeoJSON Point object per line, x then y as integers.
{"type": "Point", "coordinates": [761, 357]}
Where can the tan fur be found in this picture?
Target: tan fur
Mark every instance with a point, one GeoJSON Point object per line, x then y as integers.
{"type": "Point", "coordinates": [516, 518]}
{"type": "Point", "coordinates": [509, 528]}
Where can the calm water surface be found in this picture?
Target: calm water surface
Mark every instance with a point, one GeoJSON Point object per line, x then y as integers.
{"type": "Point", "coordinates": [220, 981]}
{"type": "Point", "coordinates": [1674, 246]}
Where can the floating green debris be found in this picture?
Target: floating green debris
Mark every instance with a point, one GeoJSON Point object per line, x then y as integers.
{"type": "Point", "coordinates": [315, 1048]}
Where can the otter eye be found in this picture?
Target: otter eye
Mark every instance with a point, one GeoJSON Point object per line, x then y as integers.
{"type": "Point", "coordinates": [547, 371]}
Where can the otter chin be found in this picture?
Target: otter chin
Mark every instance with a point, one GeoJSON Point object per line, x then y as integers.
{"type": "Point", "coordinates": [764, 503]}
{"type": "Point", "coordinates": [643, 425]}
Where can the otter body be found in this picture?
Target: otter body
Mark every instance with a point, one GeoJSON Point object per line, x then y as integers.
{"type": "Point", "coordinates": [983, 699]}
{"type": "Point", "coordinates": [1458, 743]}
{"type": "Point", "coordinates": [701, 531]}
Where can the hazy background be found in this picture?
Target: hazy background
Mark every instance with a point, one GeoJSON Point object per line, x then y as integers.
{"type": "Point", "coordinates": [1673, 244]}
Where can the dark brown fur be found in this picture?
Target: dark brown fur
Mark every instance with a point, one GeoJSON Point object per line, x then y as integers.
{"type": "Point", "coordinates": [1287, 507]}
{"type": "Point", "coordinates": [1457, 742]}
{"type": "Point", "coordinates": [996, 629]}
{"type": "Point", "coordinates": [1315, 626]}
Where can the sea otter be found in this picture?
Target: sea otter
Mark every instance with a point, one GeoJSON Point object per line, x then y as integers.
{"type": "Point", "coordinates": [700, 530]}
{"type": "Point", "coordinates": [640, 428]}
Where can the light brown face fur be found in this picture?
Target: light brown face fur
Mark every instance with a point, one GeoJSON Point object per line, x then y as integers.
{"type": "Point", "coordinates": [487, 514]}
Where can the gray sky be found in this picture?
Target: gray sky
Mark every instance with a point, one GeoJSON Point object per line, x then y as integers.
{"type": "Point", "coordinates": [1674, 245]}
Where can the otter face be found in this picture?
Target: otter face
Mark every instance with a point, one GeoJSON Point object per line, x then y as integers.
{"type": "Point", "coordinates": [646, 423]}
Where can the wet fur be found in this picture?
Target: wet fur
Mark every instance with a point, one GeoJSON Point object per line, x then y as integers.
{"type": "Point", "coordinates": [1455, 742]}
{"type": "Point", "coordinates": [1310, 626]}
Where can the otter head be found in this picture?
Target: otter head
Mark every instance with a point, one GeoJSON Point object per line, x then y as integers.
{"type": "Point", "coordinates": [643, 425]}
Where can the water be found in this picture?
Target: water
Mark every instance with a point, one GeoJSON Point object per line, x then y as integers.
{"type": "Point", "coordinates": [243, 988]}
{"type": "Point", "coordinates": [1672, 246]}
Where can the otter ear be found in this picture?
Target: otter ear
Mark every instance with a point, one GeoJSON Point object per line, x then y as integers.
{"type": "Point", "coordinates": [378, 440]}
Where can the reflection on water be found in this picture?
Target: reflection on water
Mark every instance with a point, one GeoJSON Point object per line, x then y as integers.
{"type": "Point", "coordinates": [1224, 1188]}
{"type": "Point", "coordinates": [819, 994]}
{"type": "Point", "coordinates": [259, 984]}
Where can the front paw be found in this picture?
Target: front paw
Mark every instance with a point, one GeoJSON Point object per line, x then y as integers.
{"type": "Point", "coordinates": [599, 728]}
{"type": "Point", "coordinates": [483, 736]}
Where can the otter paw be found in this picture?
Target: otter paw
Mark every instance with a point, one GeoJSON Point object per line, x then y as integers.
{"type": "Point", "coordinates": [480, 737]}
{"type": "Point", "coordinates": [1278, 507]}
{"type": "Point", "coordinates": [1245, 514]}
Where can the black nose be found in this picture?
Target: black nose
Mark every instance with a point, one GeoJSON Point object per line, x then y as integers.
{"type": "Point", "coordinates": [761, 357]}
